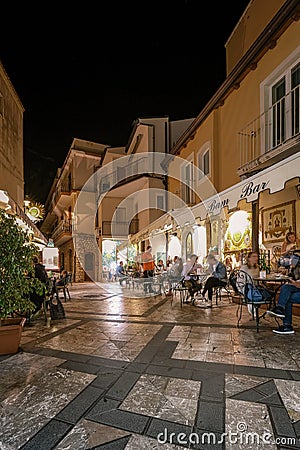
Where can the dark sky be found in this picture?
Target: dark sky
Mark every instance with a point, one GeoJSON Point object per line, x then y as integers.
{"type": "Point", "coordinates": [89, 71]}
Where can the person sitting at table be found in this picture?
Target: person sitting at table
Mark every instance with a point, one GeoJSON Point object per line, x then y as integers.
{"type": "Point", "coordinates": [41, 274]}
{"type": "Point", "coordinates": [120, 272]}
{"type": "Point", "coordinates": [252, 268]}
{"type": "Point", "coordinates": [59, 282]}
{"type": "Point", "coordinates": [160, 267]}
{"type": "Point", "coordinates": [228, 263]}
{"type": "Point", "coordinates": [174, 273]}
{"type": "Point", "coordinates": [169, 262]}
{"type": "Point", "coordinates": [251, 265]}
{"type": "Point", "coordinates": [291, 243]}
{"type": "Point", "coordinates": [218, 277]}
{"type": "Point", "coordinates": [189, 269]}
{"type": "Point", "coordinates": [177, 267]}
{"type": "Point", "coordinates": [289, 294]}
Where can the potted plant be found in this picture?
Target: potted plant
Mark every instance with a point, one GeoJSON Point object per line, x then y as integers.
{"type": "Point", "coordinates": [16, 281]}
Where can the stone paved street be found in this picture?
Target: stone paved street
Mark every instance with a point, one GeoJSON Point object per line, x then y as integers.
{"type": "Point", "coordinates": [142, 373]}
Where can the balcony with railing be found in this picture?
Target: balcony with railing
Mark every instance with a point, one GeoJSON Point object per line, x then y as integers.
{"type": "Point", "coordinates": [63, 189]}
{"type": "Point", "coordinates": [272, 135]}
{"type": "Point", "coordinates": [119, 229]}
{"type": "Point", "coordinates": [126, 171]}
{"type": "Point", "coordinates": [64, 228]}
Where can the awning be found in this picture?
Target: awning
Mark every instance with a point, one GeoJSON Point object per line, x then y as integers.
{"type": "Point", "coordinates": [272, 179]}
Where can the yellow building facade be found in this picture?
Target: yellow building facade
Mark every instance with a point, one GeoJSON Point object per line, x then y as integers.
{"type": "Point", "coordinates": [237, 166]}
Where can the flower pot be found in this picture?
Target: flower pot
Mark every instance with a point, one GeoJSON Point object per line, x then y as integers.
{"type": "Point", "coordinates": [10, 334]}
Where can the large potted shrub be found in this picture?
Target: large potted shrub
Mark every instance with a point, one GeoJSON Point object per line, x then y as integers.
{"type": "Point", "coordinates": [16, 281]}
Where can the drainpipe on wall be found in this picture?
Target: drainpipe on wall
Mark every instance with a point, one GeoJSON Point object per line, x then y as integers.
{"type": "Point", "coordinates": [166, 183]}
{"type": "Point", "coordinates": [255, 225]}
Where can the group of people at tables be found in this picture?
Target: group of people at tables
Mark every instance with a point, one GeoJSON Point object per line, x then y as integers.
{"type": "Point", "coordinates": [216, 275]}
{"type": "Point", "coordinates": [51, 283]}
{"type": "Point", "coordinates": [187, 272]}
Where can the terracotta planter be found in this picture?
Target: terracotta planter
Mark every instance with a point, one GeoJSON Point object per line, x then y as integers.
{"type": "Point", "coordinates": [10, 334]}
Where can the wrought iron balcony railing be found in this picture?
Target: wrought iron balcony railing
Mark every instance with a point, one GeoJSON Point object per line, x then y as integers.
{"type": "Point", "coordinates": [273, 128]}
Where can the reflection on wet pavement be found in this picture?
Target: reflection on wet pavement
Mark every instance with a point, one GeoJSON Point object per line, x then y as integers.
{"type": "Point", "coordinates": [143, 373]}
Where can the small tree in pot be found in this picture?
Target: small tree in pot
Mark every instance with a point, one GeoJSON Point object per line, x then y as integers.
{"type": "Point", "coordinates": [16, 270]}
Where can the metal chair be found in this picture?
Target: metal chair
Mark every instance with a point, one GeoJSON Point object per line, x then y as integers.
{"type": "Point", "coordinates": [64, 287]}
{"type": "Point", "coordinates": [183, 292]}
{"type": "Point", "coordinates": [241, 282]}
{"type": "Point", "coordinates": [218, 292]}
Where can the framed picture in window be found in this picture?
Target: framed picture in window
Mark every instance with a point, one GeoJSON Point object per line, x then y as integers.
{"type": "Point", "coordinates": [277, 221]}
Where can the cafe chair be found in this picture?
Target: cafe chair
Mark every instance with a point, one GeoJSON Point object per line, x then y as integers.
{"type": "Point", "coordinates": [182, 290]}
{"type": "Point", "coordinates": [241, 283]}
{"type": "Point", "coordinates": [218, 292]}
{"type": "Point", "coordinates": [64, 287]}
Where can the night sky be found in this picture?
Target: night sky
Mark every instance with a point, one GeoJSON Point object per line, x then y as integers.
{"type": "Point", "coordinates": [89, 71]}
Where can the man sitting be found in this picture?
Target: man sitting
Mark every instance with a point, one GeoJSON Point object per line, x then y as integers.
{"type": "Point", "coordinates": [120, 272]}
{"type": "Point", "coordinates": [289, 294]}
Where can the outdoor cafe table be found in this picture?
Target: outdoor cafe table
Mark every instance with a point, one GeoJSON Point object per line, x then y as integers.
{"type": "Point", "coordinates": [272, 281]}
{"type": "Point", "coordinates": [200, 277]}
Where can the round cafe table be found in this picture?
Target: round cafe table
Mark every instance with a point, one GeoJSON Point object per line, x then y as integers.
{"type": "Point", "coordinates": [272, 281]}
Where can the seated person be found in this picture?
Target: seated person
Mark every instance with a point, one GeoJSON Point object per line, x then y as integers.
{"type": "Point", "coordinates": [136, 271]}
{"type": "Point", "coordinates": [60, 282]}
{"type": "Point", "coordinates": [228, 263]}
{"type": "Point", "coordinates": [289, 294]}
{"type": "Point", "coordinates": [176, 268]}
{"type": "Point", "coordinates": [252, 268]}
{"type": "Point", "coordinates": [41, 274]}
{"type": "Point", "coordinates": [218, 276]}
{"type": "Point", "coordinates": [174, 274]}
{"type": "Point", "coordinates": [160, 266]}
{"type": "Point", "coordinates": [190, 268]}
{"type": "Point", "coordinates": [291, 243]}
{"type": "Point", "coordinates": [120, 271]}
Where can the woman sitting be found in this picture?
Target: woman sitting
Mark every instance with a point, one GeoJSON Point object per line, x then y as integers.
{"type": "Point", "coordinates": [291, 243]}
{"type": "Point", "coordinates": [160, 267]}
{"type": "Point", "coordinates": [251, 266]}
{"type": "Point", "coordinates": [218, 277]}
{"type": "Point", "coordinates": [174, 273]}
{"type": "Point", "coordinates": [188, 272]}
